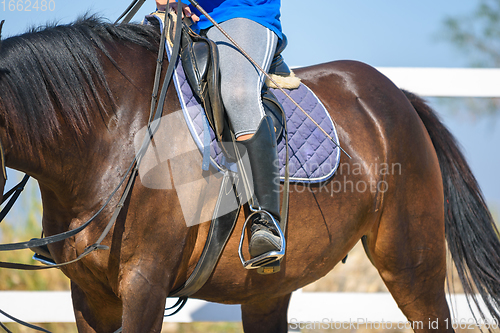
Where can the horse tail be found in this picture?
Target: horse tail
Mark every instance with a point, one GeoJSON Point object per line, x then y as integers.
{"type": "Point", "coordinates": [471, 233]}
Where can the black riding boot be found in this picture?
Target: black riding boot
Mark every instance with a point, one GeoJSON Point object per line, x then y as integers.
{"type": "Point", "coordinates": [263, 158]}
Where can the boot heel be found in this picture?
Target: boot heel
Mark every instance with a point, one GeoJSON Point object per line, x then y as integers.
{"type": "Point", "coordinates": [271, 268]}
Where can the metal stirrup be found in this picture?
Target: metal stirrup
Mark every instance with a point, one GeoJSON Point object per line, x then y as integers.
{"type": "Point", "coordinates": [267, 257]}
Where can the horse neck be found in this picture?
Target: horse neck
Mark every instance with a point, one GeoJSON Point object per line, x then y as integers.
{"type": "Point", "coordinates": [61, 162]}
{"type": "Point", "coordinates": [76, 163]}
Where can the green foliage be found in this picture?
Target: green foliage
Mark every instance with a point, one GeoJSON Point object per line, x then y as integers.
{"type": "Point", "coordinates": [207, 328]}
{"type": "Point", "coordinates": [477, 36]}
{"type": "Point", "coordinates": [54, 328]}
{"type": "Point", "coordinates": [22, 227]}
{"type": "Point", "coordinates": [28, 227]}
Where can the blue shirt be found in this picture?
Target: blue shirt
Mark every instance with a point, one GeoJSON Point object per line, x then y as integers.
{"type": "Point", "coordinates": [265, 12]}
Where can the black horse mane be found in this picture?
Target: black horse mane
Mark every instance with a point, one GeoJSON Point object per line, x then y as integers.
{"type": "Point", "coordinates": [53, 76]}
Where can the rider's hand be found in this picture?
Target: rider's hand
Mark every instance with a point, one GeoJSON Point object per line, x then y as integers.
{"type": "Point", "coordinates": [186, 11]}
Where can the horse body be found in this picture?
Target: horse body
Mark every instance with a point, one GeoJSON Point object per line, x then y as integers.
{"type": "Point", "coordinates": [372, 195]}
{"type": "Point", "coordinates": [390, 194]}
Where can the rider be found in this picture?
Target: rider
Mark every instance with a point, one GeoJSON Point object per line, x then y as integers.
{"type": "Point", "coordinates": [255, 26]}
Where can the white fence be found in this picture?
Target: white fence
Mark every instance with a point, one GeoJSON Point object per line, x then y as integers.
{"type": "Point", "coordinates": [447, 82]}
{"type": "Point", "coordinates": [56, 307]}
{"type": "Point", "coordinates": [304, 307]}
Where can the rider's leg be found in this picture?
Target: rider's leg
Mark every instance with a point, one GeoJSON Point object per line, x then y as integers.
{"type": "Point", "coordinates": [241, 82]}
{"type": "Point", "coordinates": [263, 157]}
{"type": "Point", "coordinates": [241, 93]}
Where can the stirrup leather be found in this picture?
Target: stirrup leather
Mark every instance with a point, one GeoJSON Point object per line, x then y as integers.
{"type": "Point", "coordinates": [265, 258]}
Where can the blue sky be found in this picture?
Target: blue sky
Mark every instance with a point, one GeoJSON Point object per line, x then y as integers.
{"type": "Point", "coordinates": [380, 32]}
{"type": "Point", "coordinates": [386, 33]}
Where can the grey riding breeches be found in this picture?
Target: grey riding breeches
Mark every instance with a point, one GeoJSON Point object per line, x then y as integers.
{"type": "Point", "coordinates": [241, 81]}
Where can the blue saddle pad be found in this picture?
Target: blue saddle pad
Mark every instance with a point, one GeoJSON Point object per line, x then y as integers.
{"type": "Point", "coordinates": [313, 157]}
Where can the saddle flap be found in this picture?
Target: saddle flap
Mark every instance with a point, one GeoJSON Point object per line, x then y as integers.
{"type": "Point", "coordinates": [195, 56]}
{"type": "Point", "coordinates": [201, 54]}
{"type": "Point", "coordinates": [200, 60]}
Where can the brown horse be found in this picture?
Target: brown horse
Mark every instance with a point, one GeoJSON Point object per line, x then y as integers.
{"type": "Point", "coordinates": [72, 99]}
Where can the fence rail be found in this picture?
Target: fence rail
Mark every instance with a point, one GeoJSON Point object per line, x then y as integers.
{"type": "Point", "coordinates": [446, 82]}
{"type": "Point", "coordinates": [56, 307]}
